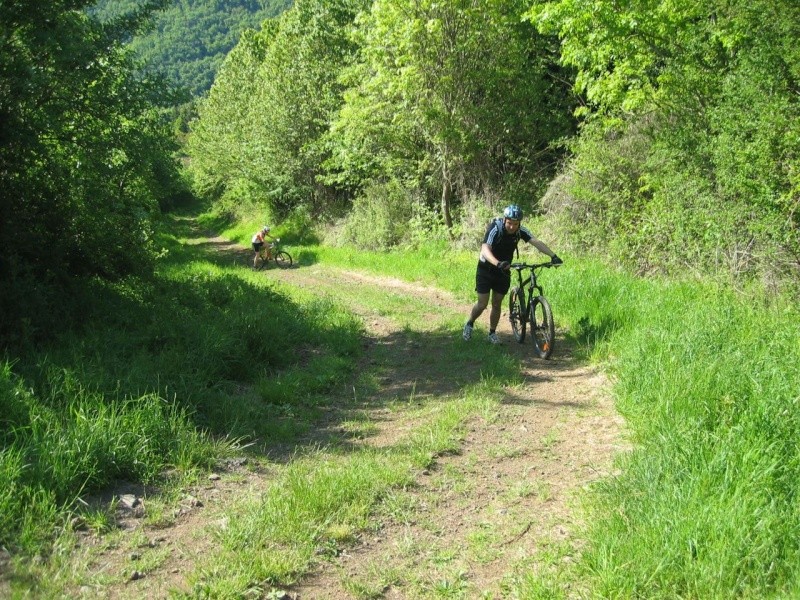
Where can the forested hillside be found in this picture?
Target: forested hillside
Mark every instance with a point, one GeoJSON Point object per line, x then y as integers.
{"type": "Point", "coordinates": [401, 110]}
{"type": "Point", "coordinates": [191, 38]}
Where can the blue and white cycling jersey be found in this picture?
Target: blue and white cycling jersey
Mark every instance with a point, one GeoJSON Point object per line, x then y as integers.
{"type": "Point", "coordinates": [502, 243]}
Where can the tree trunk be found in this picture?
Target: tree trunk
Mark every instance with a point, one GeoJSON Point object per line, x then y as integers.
{"type": "Point", "coordinates": [447, 196]}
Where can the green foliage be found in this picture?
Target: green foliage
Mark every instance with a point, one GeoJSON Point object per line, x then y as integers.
{"type": "Point", "coordinates": [441, 95]}
{"type": "Point", "coordinates": [240, 200]}
{"type": "Point", "coordinates": [271, 103]}
{"type": "Point", "coordinates": [741, 469]}
{"type": "Point", "coordinates": [219, 138]}
{"type": "Point", "coordinates": [691, 163]}
{"type": "Point", "coordinates": [379, 218]}
{"type": "Point", "coordinates": [85, 155]}
{"type": "Point", "coordinates": [436, 96]}
{"type": "Point", "coordinates": [300, 384]}
{"type": "Point", "coordinates": [387, 215]}
{"type": "Point", "coordinates": [26, 512]}
{"type": "Point", "coordinates": [71, 440]}
{"type": "Point", "coordinates": [157, 367]}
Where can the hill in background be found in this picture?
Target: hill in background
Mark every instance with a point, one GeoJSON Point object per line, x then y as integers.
{"type": "Point", "coordinates": [192, 37]}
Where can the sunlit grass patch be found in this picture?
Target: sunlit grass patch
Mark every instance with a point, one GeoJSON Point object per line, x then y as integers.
{"type": "Point", "coordinates": [436, 266]}
{"type": "Point", "coordinates": [359, 426]}
{"type": "Point", "coordinates": [483, 542]}
{"type": "Point", "coordinates": [708, 382]}
{"type": "Point", "coordinates": [372, 580]}
{"type": "Point", "coordinates": [399, 506]}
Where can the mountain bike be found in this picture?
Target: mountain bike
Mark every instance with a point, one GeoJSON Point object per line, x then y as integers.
{"type": "Point", "coordinates": [527, 306]}
{"type": "Point", "coordinates": [281, 257]}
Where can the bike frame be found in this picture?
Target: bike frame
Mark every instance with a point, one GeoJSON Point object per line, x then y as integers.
{"type": "Point", "coordinates": [530, 285]}
{"type": "Point", "coordinates": [267, 251]}
{"type": "Point", "coordinates": [527, 306]}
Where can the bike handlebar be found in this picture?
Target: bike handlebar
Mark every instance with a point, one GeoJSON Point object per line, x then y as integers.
{"type": "Point", "coordinates": [520, 266]}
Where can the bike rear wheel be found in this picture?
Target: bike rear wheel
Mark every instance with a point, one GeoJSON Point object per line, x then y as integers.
{"type": "Point", "coordinates": [261, 262]}
{"type": "Point", "coordinates": [542, 327]}
{"type": "Point", "coordinates": [516, 313]}
{"type": "Point", "coordinates": [283, 260]}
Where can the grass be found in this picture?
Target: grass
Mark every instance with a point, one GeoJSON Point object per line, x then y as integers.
{"type": "Point", "coordinates": [324, 500]}
{"type": "Point", "coordinates": [435, 265]}
{"type": "Point", "coordinates": [711, 396]}
{"type": "Point", "coordinates": [708, 382]}
{"type": "Point", "coordinates": [372, 582]}
{"type": "Point", "coordinates": [147, 384]}
{"type": "Point", "coordinates": [173, 373]}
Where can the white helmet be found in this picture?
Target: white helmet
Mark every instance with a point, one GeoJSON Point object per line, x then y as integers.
{"type": "Point", "coordinates": [265, 229]}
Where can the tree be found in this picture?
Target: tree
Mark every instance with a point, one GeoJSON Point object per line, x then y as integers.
{"type": "Point", "coordinates": [271, 104]}
{"type": "Point", "coordinates": [457, 93]}
{"type": "Point", "coordinates": [713, 86]}
{"type": "Point", "coordinates": [84, 154]}
{"type": "Point", "coordinates": [460, 97]}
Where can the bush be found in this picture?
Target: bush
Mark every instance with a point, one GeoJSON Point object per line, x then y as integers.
{"type": "Point", "coordinates": [380, 217]}
{"type": "Point", "coordinates": [471, 219]}
{"type": "Point", "coordinates": [653, 193]}
{"type": "Point", "coordinates": [239, 200]}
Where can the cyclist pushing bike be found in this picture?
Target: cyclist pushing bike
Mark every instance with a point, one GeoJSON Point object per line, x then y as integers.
{"type": "Point", "coordinates": [259, 237]}
{"type": "Point", "coordinates": [493, 274]}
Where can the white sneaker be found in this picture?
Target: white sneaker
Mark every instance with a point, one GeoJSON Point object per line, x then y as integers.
{"type": "Point", "coordinates": [493, 338]}
{"type": "Point", "coordinates": [467, 332]}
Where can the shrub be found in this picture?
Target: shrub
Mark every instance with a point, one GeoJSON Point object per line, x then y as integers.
{"type": "Point", "coordinates": [380, 217]}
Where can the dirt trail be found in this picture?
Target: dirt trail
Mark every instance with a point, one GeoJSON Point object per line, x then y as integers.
{"type": "Point", "coordinates": [477, 520]}
{"type": "Point", "coordinates": [490, 510]}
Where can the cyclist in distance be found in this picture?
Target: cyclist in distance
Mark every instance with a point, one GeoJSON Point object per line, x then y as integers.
{"type": "Point", "coordinates": [493, 273]}
{"type": "Point", "coordinates": [258, 242]}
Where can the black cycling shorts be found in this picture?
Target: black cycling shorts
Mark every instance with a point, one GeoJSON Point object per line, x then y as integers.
{"type": "Point", "coordinates": [257, 246]}
{"type": "Point", "coordinates": [488, 277]}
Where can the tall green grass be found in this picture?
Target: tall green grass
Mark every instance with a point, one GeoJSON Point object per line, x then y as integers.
{"type": "Point", "coordinates": [708, 381]}
{"type": "Point", "coordinates": [712, 394]}
{"type": "Point", "coordinates": [167, 373]}
{"type": "Point", "coordinates": [69, 440]}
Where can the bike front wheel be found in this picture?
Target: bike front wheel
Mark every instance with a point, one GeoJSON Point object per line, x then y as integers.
{"type": "Point", "coordinates": [542, 327]}
{"type": "Point", "coordinates": [283, 260]}
{"type": "Point", "coordinates": [516, 313]}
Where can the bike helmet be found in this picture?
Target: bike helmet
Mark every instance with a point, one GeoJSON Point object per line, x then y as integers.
{"type": "Point", "coordinates": [514, 212]}
{"type": "Point", "coordinates": [265, 229]}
